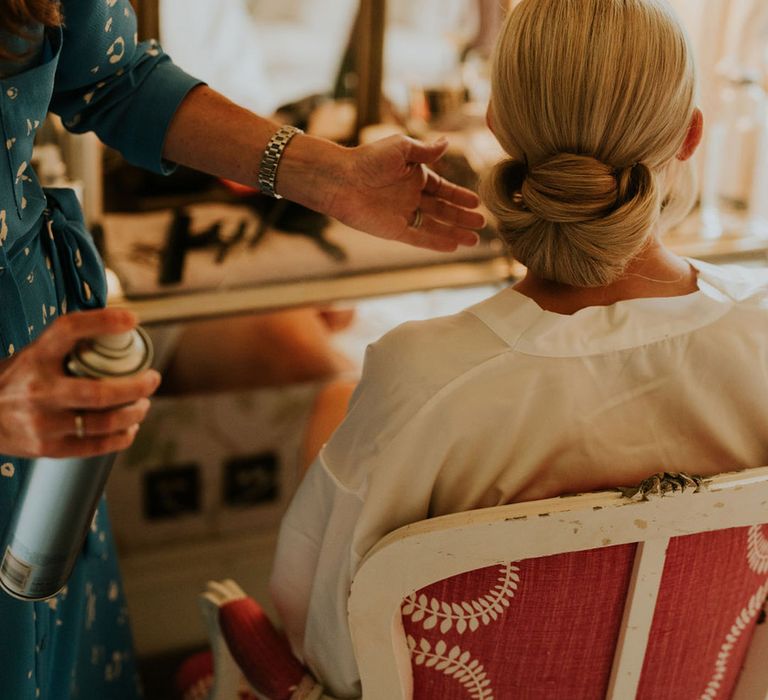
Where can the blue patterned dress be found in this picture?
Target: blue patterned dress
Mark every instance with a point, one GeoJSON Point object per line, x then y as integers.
{"type": "Point", "coordinates": [97, 77]}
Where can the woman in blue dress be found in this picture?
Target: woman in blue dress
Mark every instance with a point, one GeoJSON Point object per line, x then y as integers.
{"type": "Point", "coordinates": [81, 60]}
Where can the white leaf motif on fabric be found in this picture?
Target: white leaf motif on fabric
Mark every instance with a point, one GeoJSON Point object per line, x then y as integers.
{"type": "Point", "coordinates": [21, 173]}
{"type": "Point", "coordinates": [116, 50]}
{"type": "Point", "coordinates": [468, 614]}
{"type": "Point", "coordinates": [747, 614]}
{"type": "Point", "coordinates": [114, 669]}
{"type": "Point", "coordinates": [757, 550]}
{"type": "Point", "coordinates": [3, 227]}
{"type": "Point", "coordinates": [455, 663]}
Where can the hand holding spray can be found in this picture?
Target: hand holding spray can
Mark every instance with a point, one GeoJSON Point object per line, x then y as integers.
{"type": "Point", "coordinates": [58, 498]}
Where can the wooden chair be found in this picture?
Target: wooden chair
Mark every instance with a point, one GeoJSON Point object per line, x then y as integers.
{"type": "Point", "coordinates": [652, 593]}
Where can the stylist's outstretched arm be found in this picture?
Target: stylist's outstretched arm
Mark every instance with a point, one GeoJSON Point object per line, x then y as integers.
{"type": "Point", "coordinates": [383, 188]}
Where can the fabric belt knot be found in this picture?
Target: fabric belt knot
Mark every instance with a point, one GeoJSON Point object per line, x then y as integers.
{"type": "Point", "coordinates": [77, 264]}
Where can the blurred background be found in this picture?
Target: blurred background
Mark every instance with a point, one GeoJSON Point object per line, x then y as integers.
{"type": "Point", "coordinates": [292, 299]}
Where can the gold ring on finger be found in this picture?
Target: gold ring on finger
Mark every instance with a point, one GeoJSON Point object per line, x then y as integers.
{"type": "Point", "coordinates": [79, 425]}
{"type": "Point", "coordinates": [418, 218]}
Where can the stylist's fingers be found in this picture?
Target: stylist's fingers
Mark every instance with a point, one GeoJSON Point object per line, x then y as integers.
{"type": "Point", "coordinates": [450, 214]}
{"type": "Point", "coordinates": [438, 236]}
{"type": "Point", "coordinates": [99, 394]}
{"type": "Point", "coordinates": [67, 330]}
{"type": "Point", "coordinates": [419, 152]}
{"type": "Point", "coordinates": [442, 189]}
{"type": "Point", "coordinates": [87, 424]}
{"type": "Point", "coordinates": [91, 446]}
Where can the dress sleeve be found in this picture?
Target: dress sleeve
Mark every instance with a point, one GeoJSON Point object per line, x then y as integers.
{"type": "Point", "coordinates": [107, 82]}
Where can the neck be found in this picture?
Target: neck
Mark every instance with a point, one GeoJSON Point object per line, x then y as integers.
{"type": "Point", "coordinates": [655, 272]}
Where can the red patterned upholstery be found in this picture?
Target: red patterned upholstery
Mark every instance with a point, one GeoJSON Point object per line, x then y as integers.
{"type": "Point", "coordinates": [542, 628]}
{"type": "Point", "coordinates": [546, 628]}
{"type": "Point", "coordinates": [713, 589]}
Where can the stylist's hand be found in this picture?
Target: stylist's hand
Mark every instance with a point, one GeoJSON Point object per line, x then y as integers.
{"type": "Point", "coordinates": [384, 183]}
{"type": "Point", "coordinates": [39, 403]}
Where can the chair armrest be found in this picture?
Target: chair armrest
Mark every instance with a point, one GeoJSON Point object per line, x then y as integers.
{"type": "Point", "coordinates": [246, 643]}
{"type": "Point", "coordinates": [260, 651]}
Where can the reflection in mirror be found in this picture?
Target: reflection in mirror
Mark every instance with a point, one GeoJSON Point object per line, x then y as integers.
{"type": "Point", "coordinates": [260, 53]}
{"type": "Point", "coordinates": [436, 60]}
{"type": "Point", "coordinates": [426, 43]}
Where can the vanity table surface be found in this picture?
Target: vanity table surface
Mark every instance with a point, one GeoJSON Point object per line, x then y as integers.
{"type": "Point", "coordinates": [291, 272]}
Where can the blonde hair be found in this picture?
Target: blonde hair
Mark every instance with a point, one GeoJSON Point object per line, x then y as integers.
{"type": "Point", "coordinates": [591, 100]}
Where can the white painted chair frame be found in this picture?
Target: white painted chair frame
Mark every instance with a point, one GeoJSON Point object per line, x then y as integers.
{"type": "Point", "coordinates": [425, 552]}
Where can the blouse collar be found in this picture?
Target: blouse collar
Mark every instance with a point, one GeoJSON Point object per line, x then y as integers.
{"type": "Point", "coordinates": [529, 329]}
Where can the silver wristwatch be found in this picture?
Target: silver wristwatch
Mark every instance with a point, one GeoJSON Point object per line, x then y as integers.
{"type": "Point", "coordinates": [271, 159]}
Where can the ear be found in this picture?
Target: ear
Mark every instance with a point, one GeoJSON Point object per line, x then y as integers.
{"type": "Point", "coordinates": [693, 137]}
{"type": "Point", "coordinates": [489, 118]}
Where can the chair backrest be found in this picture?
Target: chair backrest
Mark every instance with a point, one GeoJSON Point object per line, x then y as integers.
{"type": "Point", "coordinates": [592, 596]}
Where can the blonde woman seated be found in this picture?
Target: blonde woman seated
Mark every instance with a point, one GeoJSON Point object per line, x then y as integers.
{"type": "Point", "coordinates": [613, 359]}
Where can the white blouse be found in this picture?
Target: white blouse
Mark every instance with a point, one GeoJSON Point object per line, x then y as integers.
{"type": "Point", "coordinates": [507, 402]}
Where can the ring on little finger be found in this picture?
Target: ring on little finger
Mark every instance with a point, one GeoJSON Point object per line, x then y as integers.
{"type": "Point", "coordinates": [79, 425]}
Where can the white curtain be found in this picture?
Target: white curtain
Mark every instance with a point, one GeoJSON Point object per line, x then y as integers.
{"type": "Point", "coordinates": [729, 37]}
{"type": "Point", "coordinates": [259, 53]}
{"type": "Point", "coordinates": [732, 31]}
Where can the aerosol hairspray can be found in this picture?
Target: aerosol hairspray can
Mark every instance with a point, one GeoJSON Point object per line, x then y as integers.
{"type": "Point", "coordinates": [58, 498]}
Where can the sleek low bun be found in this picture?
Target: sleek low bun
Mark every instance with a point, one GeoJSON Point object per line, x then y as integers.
{"type": "Point", "coordinates": [573, 219]}
{"type": "Point", "coordinates": [592, 101]}
{"type": "Point", "coordinates": [570, 189]}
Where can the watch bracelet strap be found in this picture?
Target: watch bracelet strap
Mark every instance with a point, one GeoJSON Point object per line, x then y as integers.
{"type": "Point", "coordinates": [270, 160]}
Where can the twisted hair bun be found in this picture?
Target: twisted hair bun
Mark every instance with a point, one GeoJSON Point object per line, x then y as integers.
{"type": "Point", "coordinates": [572, 218]}
{"type": "Point", "coordinates": [591, 114]}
